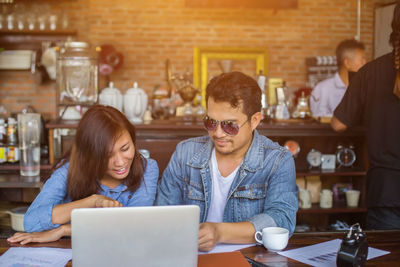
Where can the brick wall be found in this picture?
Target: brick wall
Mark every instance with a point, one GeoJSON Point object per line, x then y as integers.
{"type": "Point", "coordinates": [147, 32]}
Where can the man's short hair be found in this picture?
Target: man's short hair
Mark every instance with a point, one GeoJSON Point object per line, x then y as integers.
{"type": "Point", "coordinates": [236, 88]}
{"type": "Point", "coordinates": [347, 46]}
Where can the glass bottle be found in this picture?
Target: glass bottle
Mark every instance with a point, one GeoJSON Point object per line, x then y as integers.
{"type": "Point", "coordinates": [2, 21]}
{"type": "Point", "coordinates": [3, 141]}
{"type": "Point", "coordinates": [12, 141]}
{"type": "Point", "coordinates": [261, 81]}
{"type": "Point", "coordinates": [53, 18]}
{"type": "Point", "coordinates": [10, 21]}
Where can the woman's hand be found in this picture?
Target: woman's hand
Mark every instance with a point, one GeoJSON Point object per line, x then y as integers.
{"type": "Point", "coordinates": [105, 202]}
{"type": "Point", "coordinates": [41, 237]}
{"type": "Point", "coordinates": [62, 213]}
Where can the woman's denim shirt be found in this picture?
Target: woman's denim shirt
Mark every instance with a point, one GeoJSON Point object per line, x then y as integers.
{"type": "Point", "coordinates": [263, 192]}
{"type": "Point", "coordinates": [54, 192]}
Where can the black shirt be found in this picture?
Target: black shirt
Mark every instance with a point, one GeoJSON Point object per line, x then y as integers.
{"type": "Point", "coordinates": [370, 101]}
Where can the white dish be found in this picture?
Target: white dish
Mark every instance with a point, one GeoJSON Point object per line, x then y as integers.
{"type": "Point", "coordinates": [17, 218]}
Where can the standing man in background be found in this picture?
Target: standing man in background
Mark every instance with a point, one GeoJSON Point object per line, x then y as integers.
{"type": "Point", "coordinates": [373, 100]}
{"type": "Point", "coordinates": [241, 180]}
{"type": "Point", "coordinates": [350, 56]}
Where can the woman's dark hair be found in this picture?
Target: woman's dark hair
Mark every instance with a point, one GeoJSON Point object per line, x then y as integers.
{"type": "Point", "coordinates": [395, 41]}
{"type": "Point", "coordinates": [97, 132]}
{"type": "Point", "coordinates": [236, 88]}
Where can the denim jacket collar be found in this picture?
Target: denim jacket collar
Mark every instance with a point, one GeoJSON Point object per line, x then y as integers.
{"type": "Point", "coordinates": [252, 162]}
{"type": "Point", "coordinates": [119, 188]}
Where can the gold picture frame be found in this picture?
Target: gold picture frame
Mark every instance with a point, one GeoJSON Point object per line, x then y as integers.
{"type": "Point", "coordinates": [202, 55]}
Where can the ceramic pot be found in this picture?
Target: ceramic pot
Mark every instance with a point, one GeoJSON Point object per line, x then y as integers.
{"type": "Point", "coordinates": [111, 96]}
{"type": "Point", "coordinates": [135, 104]}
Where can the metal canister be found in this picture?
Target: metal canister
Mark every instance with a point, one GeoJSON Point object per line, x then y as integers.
{"type": "Point", "coordinates": [12, 154]}
{"type": "Point", "coordinates": [12, 137]}
{"type": "Point", "coordinates": [3, 140]}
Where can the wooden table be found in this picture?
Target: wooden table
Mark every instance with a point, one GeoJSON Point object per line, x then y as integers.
{"type": "Point", "coordinates": [385, 240]}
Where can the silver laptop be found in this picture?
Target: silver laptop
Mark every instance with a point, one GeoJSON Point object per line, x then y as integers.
{"type": "Point", "coordinates": [135, 236]}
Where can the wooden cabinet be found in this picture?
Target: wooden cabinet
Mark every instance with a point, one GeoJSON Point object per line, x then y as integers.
{"type": "Point", "coordinates": [22, 40]}
{"type": "Point", "coordinates": [161, 138]}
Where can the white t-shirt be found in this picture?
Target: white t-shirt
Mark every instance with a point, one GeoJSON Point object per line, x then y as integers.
{"type": "Point", "coordinates": [219, 191]}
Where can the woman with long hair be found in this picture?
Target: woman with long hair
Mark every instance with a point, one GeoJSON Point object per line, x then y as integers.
{"type": "Point", "coordinates": [102, 169]}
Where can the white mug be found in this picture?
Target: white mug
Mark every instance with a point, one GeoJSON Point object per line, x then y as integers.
{"type": "Point", "coordinates": [273, 238]}
{"type": "Point", "coordinates": [304, 199]}
{"type": "Point", "coordinates": [326, 198]}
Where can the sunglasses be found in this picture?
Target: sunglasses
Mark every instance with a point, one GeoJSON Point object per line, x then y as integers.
{"type": "Point", "coordinates": [229, 127]}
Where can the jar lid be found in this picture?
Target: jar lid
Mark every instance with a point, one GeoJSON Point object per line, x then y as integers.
{"type": "Point", "coordinates": [110, 86]}
{"type": "Point", "coordinates": [76, 45]}
{"type": "Point", "coordinates": [110, 89]}
{"type": "Point", "coordinates": [134, 88]}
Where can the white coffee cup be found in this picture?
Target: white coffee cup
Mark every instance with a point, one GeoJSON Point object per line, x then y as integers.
{"type": "Point", "coordinates": [273, 238]}
{"type": "Point", "coordinates": [304, 199]}
{"type": "Point", "coordinates": [352, 197]}
{"type": "Point", "coordinates": [326, 198]}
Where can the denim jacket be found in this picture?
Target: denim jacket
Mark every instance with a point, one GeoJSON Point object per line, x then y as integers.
{"type": "Point", "coordinates": [263, 192]}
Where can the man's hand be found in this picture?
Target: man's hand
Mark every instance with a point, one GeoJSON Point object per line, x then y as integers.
{"type": "Point", "coordinates": [41, 237]}
{"type": "Point", "coordinates": [337, 125]}
{"type": "Point", "coordinates": [209, 236]}
{"type": "Point", "coordinates": [105, 202]}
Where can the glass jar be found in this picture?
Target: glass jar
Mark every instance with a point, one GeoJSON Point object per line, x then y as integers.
{"type": "Point", "coordinates": [77, 74]}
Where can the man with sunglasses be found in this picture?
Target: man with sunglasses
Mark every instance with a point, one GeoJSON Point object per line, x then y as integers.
{"type": "Point", "coordinates": [242, 181]}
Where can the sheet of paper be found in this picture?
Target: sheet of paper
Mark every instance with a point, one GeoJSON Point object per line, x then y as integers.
{"type": "Point", "coordinates": [324, 254]}
{"type": "Point", "coordinates": [227, 248]}
{"type": "Point", "coordinates": [44, 257]}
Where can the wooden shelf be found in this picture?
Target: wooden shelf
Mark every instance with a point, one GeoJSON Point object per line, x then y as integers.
{"type": "Point", "coordinates": [39, 32]}
{"type": "Point", "coordinates": [31, 40]}
{"type": "Point", "coordinates": [336, 172]}
{"type": "Point", "coordinates": [18, 181]}
{"type": "Point", "coordinates": [338, 208]}
{"type": "Point", "coordinates": [15, 167]}
{"type": "Point", "coordinates": [269, 129]}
